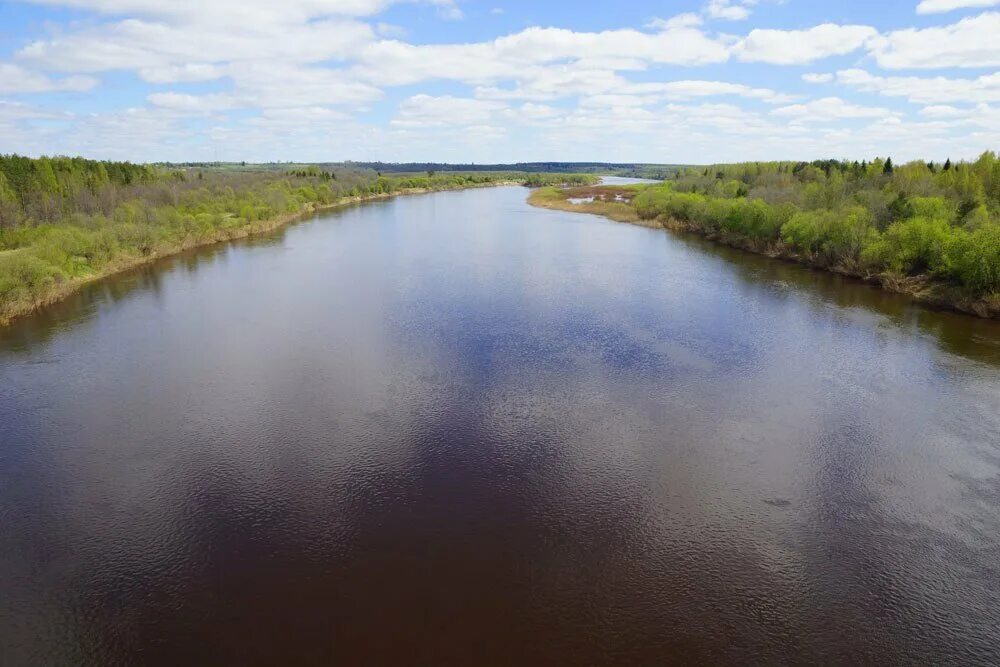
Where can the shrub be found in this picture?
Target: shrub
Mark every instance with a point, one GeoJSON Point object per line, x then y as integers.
{"type": "Point", "coordinates": [911, 246]}
{"type": "Point", "coordinates": [973, 258]}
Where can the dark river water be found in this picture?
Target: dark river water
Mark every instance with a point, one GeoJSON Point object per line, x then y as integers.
{"type": "Point", "coordinates": [455, 429]}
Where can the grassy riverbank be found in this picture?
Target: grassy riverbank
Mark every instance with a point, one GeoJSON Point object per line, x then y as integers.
{"type": "Point", "coordinates": [931, 231]}
{"type": "Point", "coordinates": [609, 201]}
{"type": "Point", "coordinates": [65, 222]}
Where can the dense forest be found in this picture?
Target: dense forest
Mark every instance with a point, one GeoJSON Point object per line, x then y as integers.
{"type": "Point", "coordinates": [913, 227]}
{"type": "Point", "coordinates": [918, 218]}
{"type": "Point", "coordinates": [66, 220]}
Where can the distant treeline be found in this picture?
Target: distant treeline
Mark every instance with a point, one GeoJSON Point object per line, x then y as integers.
{"type": "Point", "coordinates": [635, 170]}
{"type": "Point", "coordinates": [936, 220]}
{"type": "Point", "coordinates": [619, 169]}
{"type": "Point", "coordinates": [64, 220]}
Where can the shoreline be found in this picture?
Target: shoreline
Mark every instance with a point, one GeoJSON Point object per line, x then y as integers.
{"type": "Point", "coordinates": [921, 289]}
{"type": "Point", "coordinates": [69, 287]}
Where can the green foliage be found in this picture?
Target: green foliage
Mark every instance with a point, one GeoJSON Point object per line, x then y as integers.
{"type": "Point", "coordinates": [936, 208]}
{"type": "Point", "coordinates": [910, 219]}
{"type": "Point", "coordinates": [974, 258]}
{"type": "Point", "coordinates": [834, 236]}
{"type": "Point", "coordinates": [63, 219]}
{"type": "Point", "coordinates": [911, 247]}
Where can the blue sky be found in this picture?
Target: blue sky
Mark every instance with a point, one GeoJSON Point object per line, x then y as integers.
{"type": "Point", "coordinates": [491, 81]}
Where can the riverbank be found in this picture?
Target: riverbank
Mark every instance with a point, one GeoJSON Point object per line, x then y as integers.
{"type": "Point", "coordinates": [617, 203]}
{"type": "Point", "coordinates": [25, 294]}
{"type": "Point", "coordinates": [611, 202]}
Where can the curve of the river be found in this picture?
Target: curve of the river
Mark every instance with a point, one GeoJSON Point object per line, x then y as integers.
{"type": "Point", "coordinates": [455, 429]}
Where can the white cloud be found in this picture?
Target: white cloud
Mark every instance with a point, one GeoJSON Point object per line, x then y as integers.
{"type": "Point", "coordinates": [731, 10]}
{"type": "Point", "coordinates": [390, 30]}
{"type": "Point", "coordinates": [688, 20]}
{"type": "Point", "coordinates": [233, 12]}
{"type": "Point", "coordinates": [972, 42]}
{"type": "Point", "coordinates": [939, 6]}
{"type": "Point", "coordinates": [447, 9]}
{"type": "Point", "coordinates": [196, 104]}
{"type": "Point", "coordinates": [186, 73]}
{"type": "Point", "coordinates": [675, 45]}
{"type": "Point", "coordinates": [690, 89]}
{"type": "Point", "coordinates": [943, 111]}
{"type": "Point", "coordinates": [163, 48]}
{"type": "Point", "coordinates": [817, 77]}
{"type": "Point", "coordinates": [302, 73]}
{"type": "Point", "coordinates": [541, 62]}
{"type": "Point", "coordinates": [532, 111]}
{"type": "Point", "coordinates": [799, 47]}
{"type": "Point", "coordinates": [446, 110]}
{"type": "Point", "coordinates": [619, 100]}
{"type": "Point", "coordinates": [541, 84]}
{"type": "Point", "coordinates": [15, 79]}
{"type": "Point", "coordinates": [830, 108]}
{"type": "Point", "coordinates": [925, 90]}
{"type": "Point", "coordinates": [27, 129]}
{"type": "Point", "coordinates": [274, 85]}
{"type": "Point", "coordinates": [280, 84]}
{"type": "Point", "coordinates": [11, 112]}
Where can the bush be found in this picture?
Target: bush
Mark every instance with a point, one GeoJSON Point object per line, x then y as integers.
{"type": "Point", "coordinates": [911, 246]}
{"type": "Point", "coordinates": [973, 258]}
{"type": "Point", "coordinates": [24, 279]}
{"type": "Point", "coordinates": [803, 231]}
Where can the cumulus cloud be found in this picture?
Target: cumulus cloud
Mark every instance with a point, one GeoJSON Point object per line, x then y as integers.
{"type": "Point", "coordinates": [817, 77]}
{"type": "Point", "coordinates": [164, 49]}
{"type": "Point", "coordinates": [533, 111]}
{"type": "Point", "coordinates": [830, 108]}
{"type": "Point", "coordinates": [196, 104]}
{"type": "Point", "coordinates": [691, 89]}
{"type": "Point", "coordinates": [939, 6]}
{"type": "Point", "coordinates": [186, 73]}
{"type": "Point", "coordinates": [11, 112]}
{"type": "Point", "coordinates": [541, 62]}
{"type": "Point", "coordinates": [732, 10]}
{"type": "Point", "coordinates": [925, 90]}
{"type": "Point", "coordinates": [688, 20]}
{"type": "Point", "coordinates": [233, 12]}
{"type": "Point", "coordinates": [799, 47]}
{"type": "Point", "coordinates": [302, 73]}
{"type": "Point", "coordinates": [446, 110]}
{"type": "Point", "coordinates": [943, 111]}
{"type": "Point", "coordinates": [971, 42]}
{"type": "Point", "coordinates": [15, 79]}
{"type": "Point", "coordinates": [274, 85]}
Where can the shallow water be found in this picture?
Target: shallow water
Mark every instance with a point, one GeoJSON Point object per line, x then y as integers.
{"type": "Point", "coordinates": [453, 428]}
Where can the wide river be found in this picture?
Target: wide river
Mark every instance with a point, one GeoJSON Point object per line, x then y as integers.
{"type": "Point", "coordinates": [455, 429]}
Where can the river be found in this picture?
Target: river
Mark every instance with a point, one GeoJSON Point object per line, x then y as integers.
{"type": "Point", "coordinates": [455, 429]}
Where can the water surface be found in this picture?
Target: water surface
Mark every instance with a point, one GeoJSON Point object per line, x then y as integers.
{"type": "Point", "coordinates": [454, 429]}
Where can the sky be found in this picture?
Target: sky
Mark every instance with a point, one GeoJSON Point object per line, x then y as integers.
{"type": "Point", "coordinates": [487, 81]}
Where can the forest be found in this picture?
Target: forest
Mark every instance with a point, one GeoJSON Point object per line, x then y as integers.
{"type": "Point", "coordinates": [66, 220]}
{"type": "Point", "coordinates": [914, 227]}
